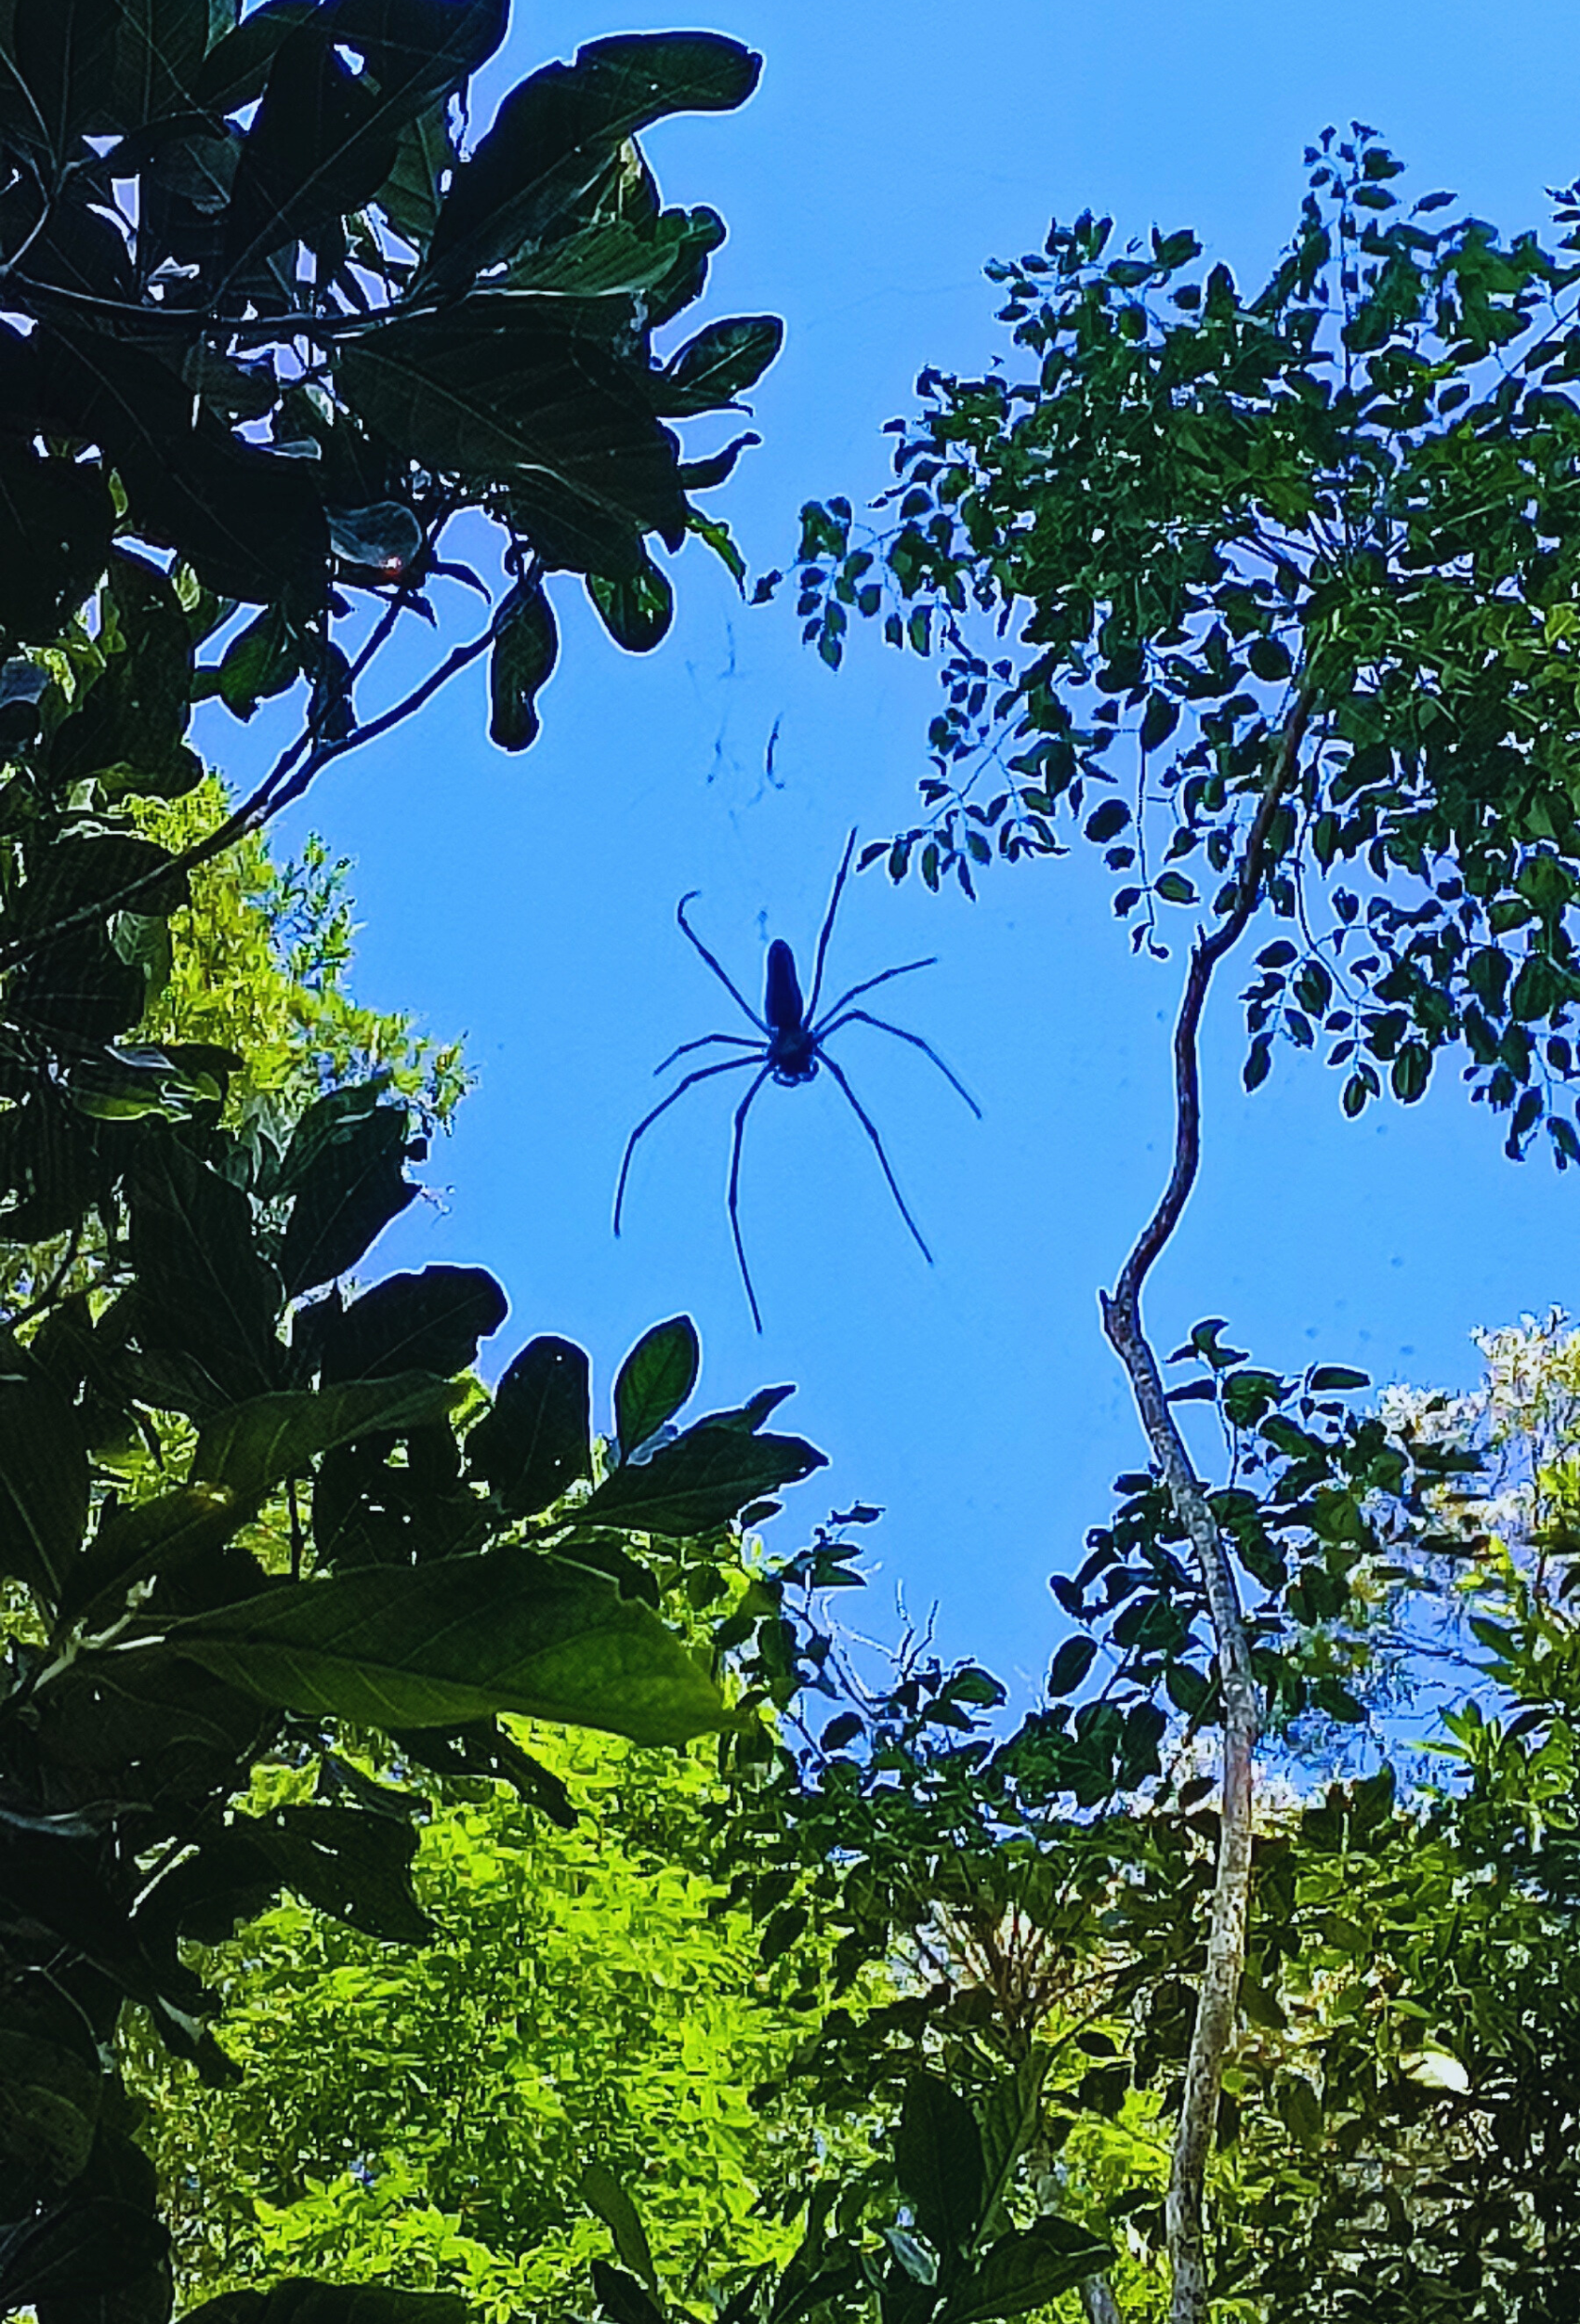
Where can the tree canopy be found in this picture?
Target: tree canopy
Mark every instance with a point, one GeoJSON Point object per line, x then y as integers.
{"type": "Point", "coordinates": [1166, 2000]}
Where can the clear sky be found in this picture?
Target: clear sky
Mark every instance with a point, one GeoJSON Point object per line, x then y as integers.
{"type": "Point", "coordinates": [529, 902]}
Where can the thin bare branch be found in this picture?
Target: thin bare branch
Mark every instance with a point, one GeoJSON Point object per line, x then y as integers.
{"type": "Point", "coordinates": [1217, 1998]}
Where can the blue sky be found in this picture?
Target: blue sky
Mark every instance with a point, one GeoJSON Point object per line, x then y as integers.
{"type": "Point", "coordinates": [529, 902]}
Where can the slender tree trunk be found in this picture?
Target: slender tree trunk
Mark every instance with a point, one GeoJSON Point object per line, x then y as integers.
{"type": "Point", "coordinates": [1218, 1995]}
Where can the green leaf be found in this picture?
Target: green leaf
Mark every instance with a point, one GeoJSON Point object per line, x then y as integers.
{"type": "Point", "coordinates": [1174, 888]}
{"type": "Point", "coordinates": [455, 1640]}
{"type": "Point", "coordinates": [44, 1476]}
{"type": "Point", "coordinates": [526, 646]}
{"type": "Point", "coordinates": [55, 520]}
{"type": "Point", "coordinates": [349, 1862]}
{"type": "Point", "coordinates": [253, 1447]}
{"type": "Point", "coordinates": [621, 2297]}
{"type": "Point", "coordinates": [1330, 1377]}
{"type": "Point", "coordinates": [134, 716]}
{"type": "Point", "coordinates": [604, 2194]}
{"type": "Point", "coordinates": [347, 1192]}
{"type": "Point", "coordinates": [428, 1322]}
{"type": "Point", "coordinates": [537, 1440]}
{"type": "Point", "coordinates": [1069, 1664]}
{"type": "Point", "coordinates": [635, 608]}
{"type": "Point", "coordinates": [938, 2159]}
{"type": "Point", "coordinates": [50, 2101]}
{"type": "Point", "coordinates": [719, 365]}
{"type": "Point", "coordinates": [203, 1288]}
{"type": "Point", "coordinates": [297, 2301]}
{"type": "Point", "coordinates": [1027, 2269]}
{"type": "Point", "coordinates": [506, 389]}
{"type": "Point", "coordinates": [556, 134]}
{"type": "Point", "coordinates": [701, 1481]}
{"type": "Point", "coordinates": [1009, 2119]}
{"type": "Point", "coordinates": [1107, 821]}
{"type": "Point", "coordinates": [654, 1381]}
{"type": "Point", "coordinates": [136, 1539]}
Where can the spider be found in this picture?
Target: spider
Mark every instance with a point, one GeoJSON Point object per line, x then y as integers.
{"type": "Point", "coordinates": [791, 1051]}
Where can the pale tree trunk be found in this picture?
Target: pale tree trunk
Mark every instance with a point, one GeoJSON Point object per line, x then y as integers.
{"type": "Point", "coordinates": [1218, 1997]}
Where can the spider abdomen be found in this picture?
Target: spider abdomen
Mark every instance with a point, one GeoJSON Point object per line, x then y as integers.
{"type": "Point", "coordinates": [782, 1005]}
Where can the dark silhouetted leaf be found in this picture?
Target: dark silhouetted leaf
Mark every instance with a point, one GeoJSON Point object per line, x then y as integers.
{"type": "Point", "coordinates": [556, 133]}
{"type": "Point", "coordinates": [537, 1440]}
{"type": "Point", "coordinates": [700, 1481]}
{"type": "Point", "coordinates": [604, 2194]}
{"type": "Point", "coordinates": [203, 1287]}
{"type": "Point", "coordinates": [938, 2159]}
{"type": "Point", "coordinates": [431, 1322]}
{"type": "Point", "coordinates": [1069, 1664]}
{"type": "Point", "coordinates": [637, 607]}
{"type": "Point", "coordinates": [720, 364]}
{"type": "Point", "coordinates": [255, 1446]}
{"type": "Point", "coordinates": [1027, 2269]}
{"type": "Point", "coordinates": [345, 1167]}
{"type": "Point", "coordinates": [526, 645]}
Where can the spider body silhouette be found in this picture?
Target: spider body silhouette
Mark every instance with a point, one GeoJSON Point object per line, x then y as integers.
{"type": "Point", "coordinates": [790, 1048]}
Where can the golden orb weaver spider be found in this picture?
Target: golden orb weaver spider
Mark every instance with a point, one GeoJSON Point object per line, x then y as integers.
{"type": "Point", "coordinates": [791, 1051]}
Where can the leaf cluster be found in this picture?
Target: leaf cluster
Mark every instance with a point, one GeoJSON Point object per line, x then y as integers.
{"type": "Point", "coordinates": [1343, 506]}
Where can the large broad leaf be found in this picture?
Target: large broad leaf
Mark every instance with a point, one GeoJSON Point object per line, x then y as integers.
{"type": "Point", "coordinates": [321, 144]}
{"type": "Point", "coordinates": [51, 2087]}
{"type": "Point", "coordinates": [134, 714]}
{"type": "Point", "coordinates": [326, 138]}
{"type": "Point", "coordinates": [1025, 2270]}
{"type": "Point", "coordinates": [431, 1322]}
{"type": "Point", "coordinates": [440, 1644]}
{"type": "Point", "coordinates": [720, 364]}
{"type": "Point", "coordinates": [256, 1444]}
{"type": "Point", "coordinates": [554, 135]}
{"type": "Point", "coordinates": [298, 2301]}
{"type": "Point", "coordinates": [203, 1288]}
{"type": "Point", "coordinates": [349, 1862]}
{"type": "Point", "coordinates": [136, 1539]}
{"type": "Point", "coordinates": [55, 520]}
{"type": "Point", "coordinates": [1009, 2120]}
{"type": "Point", "coordinates": [159, 52]}
{"type": "Point", "coordinates": [346, 1194]}
{"type": "Point", "coordinates": [700, 1481]}
{"type": "Point", "coordinates": [654, 1381]}
{"type": "Point", "coordinates": [507, 388]}
{"type": "Point", "coordinates": [526, 646]}
{"type": "Point", "coordinates": [615, 256]}
{"type": "Point", "coordinates": [44, 1476]}
{"type": "Point", "coordinates": [537, 1440]}
{"type": "Point", "coordinates": [94, 2246]}
{"type": "Point", "coordinates": [249, 521]}
{"type": "Point", "coordinates": [63, 59]}
{"type": "Point", "coordinates": [938, 2159]}
{"type": "Point", "coordinates": [622, 2298]}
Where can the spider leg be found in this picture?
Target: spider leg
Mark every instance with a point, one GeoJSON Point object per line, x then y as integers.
{"type": "Point", "coordinates": [725, 979]}
{"type": "Point", "coordinates": [867, 984]}
{"type": "Point", "coordinates": [827, 930]}
{"type": "Point", "coordinates": [869, 1125]}
{"type": "Point", "coordinates": [741, 1112]}
{"type": "Point", "coordinates": [859, 1016]}
{"type": "Point", "coordinates": [704, 1072]}
{"type": "Point", "coordinates": [732, 1041]}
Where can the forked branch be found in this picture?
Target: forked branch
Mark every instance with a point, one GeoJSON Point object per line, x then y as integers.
{"type": "Point", "coordinates": [1218, 1996]}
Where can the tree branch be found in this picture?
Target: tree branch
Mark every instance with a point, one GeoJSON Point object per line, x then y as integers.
{"type": "Point", "coordinates": [279, 788]}
{"type": "Point", "coordinates": [1218, 1998]}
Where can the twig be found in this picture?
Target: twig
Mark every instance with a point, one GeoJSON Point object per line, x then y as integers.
{"type": "Point", "coordinates": [279, 788]}
{"type": "Point", "coordinates": [1218, 1998]}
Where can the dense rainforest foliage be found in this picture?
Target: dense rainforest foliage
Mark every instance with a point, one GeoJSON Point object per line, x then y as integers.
{"type": "Point", "coordinates": [444, 1867]}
